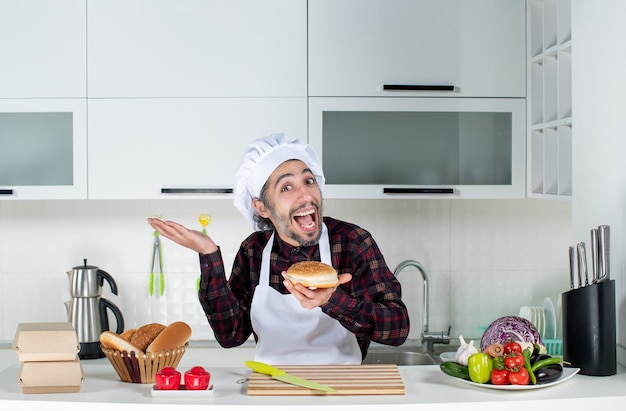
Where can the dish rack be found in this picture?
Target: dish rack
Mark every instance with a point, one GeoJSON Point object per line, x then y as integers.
{"type": "Point", "coordinates": [547, 319]}
{"type": "Point", "coordinates": [554, 347]}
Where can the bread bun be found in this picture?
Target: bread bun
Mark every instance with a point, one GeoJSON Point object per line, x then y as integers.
{"type": "Point", "coordinates": [313, 274]}
{"type": "Point", "coordinates": [145, 334]}
{"type": "Point", "coordinates": [174, 335]}
{"type": "Point", "coordinates": [128, 334]}
{"type": "Point", "coordinates": [113, 341]}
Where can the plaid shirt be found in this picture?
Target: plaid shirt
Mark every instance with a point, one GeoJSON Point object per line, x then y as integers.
{"type": "Point", "coordinates": [369, 305]}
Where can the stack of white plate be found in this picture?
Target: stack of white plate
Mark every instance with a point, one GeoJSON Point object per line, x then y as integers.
{"type": "Point", "coordinates": [543, 318]}
{"type": "Point", "coordinates": [551, 322]}
{"type": "Point", "coordinates": [535, 315]}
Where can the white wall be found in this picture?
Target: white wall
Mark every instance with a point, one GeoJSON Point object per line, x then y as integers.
{"type": "Point", "coordinates": [486, 258]}
{"type": "Point", "coordinates": [599, 135]}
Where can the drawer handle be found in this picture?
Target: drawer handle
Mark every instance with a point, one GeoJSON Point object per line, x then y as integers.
{"type": "Point", "coordinates": [6, 192]}
{"type": "Point", "coordinates": [419, 87]}
{"type": "Point", "coordinates": [196, 191]}
{"type": "Point", "coordinates": [388, 190]}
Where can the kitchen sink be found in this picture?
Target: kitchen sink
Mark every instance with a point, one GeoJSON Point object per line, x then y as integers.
{"type": "Point", "coordinates": [407, 354]}
{"type": "Point", "coordinates": [401, 358]}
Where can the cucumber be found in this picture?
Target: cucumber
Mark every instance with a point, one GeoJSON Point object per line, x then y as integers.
{"type": "Point", "coordinates": [455, 369]}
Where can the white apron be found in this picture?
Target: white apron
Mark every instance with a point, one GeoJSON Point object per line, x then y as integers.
{"type": "Point", "coordinates": [290, 334]}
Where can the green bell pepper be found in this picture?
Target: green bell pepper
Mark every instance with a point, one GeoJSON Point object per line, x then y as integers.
{"type": "Point", "coordinates": [480, 366]}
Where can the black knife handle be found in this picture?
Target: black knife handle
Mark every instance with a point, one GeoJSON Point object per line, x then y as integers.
{"type": "Point", "coordinates": [6, 192]}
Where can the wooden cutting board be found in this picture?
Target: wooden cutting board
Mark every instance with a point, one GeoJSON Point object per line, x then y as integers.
{"type": "Point", "coordinates": [366, 379]}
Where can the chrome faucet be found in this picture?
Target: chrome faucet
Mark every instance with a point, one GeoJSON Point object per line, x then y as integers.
{"type": "Point", "coordinates": [428, 338]}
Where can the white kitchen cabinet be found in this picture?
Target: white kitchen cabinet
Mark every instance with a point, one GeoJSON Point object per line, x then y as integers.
{"type": "Point", "coordinates": [374, 148]}
{"type": "Point", "coordinates": [180, 148]}
{"type": "Point", "coordinates": [473, 48]}
{"type": "Point", "coordinates": [549, 99]}
{"type": "Point", "coordinates": [43, 49]}
{"type": "Point", "coordinates": [43, 149]}
{"type": "Point", "coordinates": [197, 48]}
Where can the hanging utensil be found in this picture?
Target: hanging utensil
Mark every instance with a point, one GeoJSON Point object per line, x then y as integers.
{"type": "Point", "coordinates": [204, 220]}
{"type": "Point", "coordinates": [157, 259]}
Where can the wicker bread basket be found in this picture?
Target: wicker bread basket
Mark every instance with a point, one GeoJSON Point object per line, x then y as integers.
{"type": "Point", "coordinates": [141, 368]}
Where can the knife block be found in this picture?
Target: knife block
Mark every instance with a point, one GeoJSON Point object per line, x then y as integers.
{"type": "Point", "coordinates": [589, 336]}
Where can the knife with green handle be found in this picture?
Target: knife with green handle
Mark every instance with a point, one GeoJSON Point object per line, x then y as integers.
{"type": "Point", "coordinates": [281, 375]}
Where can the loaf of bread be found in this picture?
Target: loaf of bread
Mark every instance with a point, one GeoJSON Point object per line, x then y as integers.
{"type": "Point", "coordinates": [174, 335]}
{"type": "Point", "coordinates": [128, 334]}
{"type": "Point", "coordinates": [114, 341]}
{"type": "Point", "coordinates": [145, 334]}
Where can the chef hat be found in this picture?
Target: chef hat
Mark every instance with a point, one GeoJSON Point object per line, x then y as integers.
{"type": "Point", "coordinates": [263, 156]}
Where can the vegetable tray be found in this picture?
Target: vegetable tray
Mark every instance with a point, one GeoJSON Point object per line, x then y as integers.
{"type": "Point", "coordinates": [567, 374]}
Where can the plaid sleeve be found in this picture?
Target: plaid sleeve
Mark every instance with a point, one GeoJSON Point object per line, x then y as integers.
{"type": "Point", "coordinates": [370, 305]}
{"type": "Point", "coordinates": [225, 302]}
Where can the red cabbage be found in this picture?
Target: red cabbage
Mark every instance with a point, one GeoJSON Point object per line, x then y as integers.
{"type": "Point", "coordinates": [508, 328]}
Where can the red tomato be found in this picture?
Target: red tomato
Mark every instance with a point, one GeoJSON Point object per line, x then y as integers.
{"type": "Point", "coordinates": [512, 346]}
{"type": "Point", "coordinates": [513, 361]}
{"type": "Point", "coordinates": [500, 377]}
{"type": "Point", "coordinates": [520, 377]}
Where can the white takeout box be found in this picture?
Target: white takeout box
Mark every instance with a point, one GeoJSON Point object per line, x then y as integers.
{"type": "Point", "coordinates": [44, 377]}
{"type": "Point", "coordinates": [50, 341]}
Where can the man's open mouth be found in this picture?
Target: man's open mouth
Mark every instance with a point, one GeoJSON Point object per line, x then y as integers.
{"type": "Point", "coordinates": [307, 220]}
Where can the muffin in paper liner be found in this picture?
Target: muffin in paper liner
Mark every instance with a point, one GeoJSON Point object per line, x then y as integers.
{"type": "Point", "coordinates": [141, 368]}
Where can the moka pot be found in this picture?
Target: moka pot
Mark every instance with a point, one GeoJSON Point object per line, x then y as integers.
{"type": "Point", "coordinates": [88, 311]}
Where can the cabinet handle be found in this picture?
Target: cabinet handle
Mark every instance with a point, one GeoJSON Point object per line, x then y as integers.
{"type": "Point", "coordinates": [6, 192]}
{"type": "Point", "coordinates": [419, 87]}
{"type": "Point", "coordinates": [388, 190]}
{"type": "Point", "coordinates": [196, 191]}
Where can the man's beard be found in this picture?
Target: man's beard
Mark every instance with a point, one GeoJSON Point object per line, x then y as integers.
{"type": "Point", "coordinates": [283, 224]}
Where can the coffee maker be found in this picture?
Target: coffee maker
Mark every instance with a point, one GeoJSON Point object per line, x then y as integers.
{"type": "Point", "coordinates": [87, 310]}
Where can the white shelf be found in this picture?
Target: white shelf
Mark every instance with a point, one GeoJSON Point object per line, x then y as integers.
{"type": "Point", "coordinates": [549, 99]}
{"type": "Point", "coordinates": [536, 91]}
{"type": "Point", "coordinates": [565, 82]}
{"type": "Point", "coordinates": [550, 88]}
{"type": "Point", "coordinates": [565, 159]}
{"type": "Point", "coordinates": [564, 21]}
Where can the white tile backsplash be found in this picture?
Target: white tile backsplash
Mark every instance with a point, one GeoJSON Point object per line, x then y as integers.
{"type": "Point", "coordinates": [484, 258]}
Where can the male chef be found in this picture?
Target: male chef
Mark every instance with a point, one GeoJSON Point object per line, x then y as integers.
{"type": "Point", "coordinates": [279, 191]}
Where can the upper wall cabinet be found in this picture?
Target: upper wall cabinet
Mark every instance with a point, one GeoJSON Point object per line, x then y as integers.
{"type": "Point", "coordinates": [42, 49]}
{"type": "Point", "coordinates": [417, 48]}
{"type": "Point", "coordinates": [197, 48]}
{"type": "Point", "coordinates": [420, 147]}
{"type": "Point", "coordinates": [179, 148]}
{"type": "Point", "coordinates": [43, 149]}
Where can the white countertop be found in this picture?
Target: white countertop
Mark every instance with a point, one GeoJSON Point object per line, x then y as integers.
{"type": "Point", "coordinates": [426, 388]}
